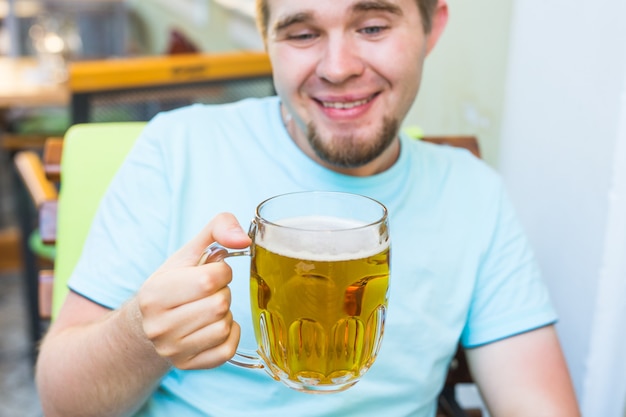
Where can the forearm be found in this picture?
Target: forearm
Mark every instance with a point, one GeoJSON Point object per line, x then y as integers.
{"type": "Point", "coordinates": [107, 367]}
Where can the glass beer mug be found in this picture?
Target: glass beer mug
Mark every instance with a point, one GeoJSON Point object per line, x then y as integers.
{"type": "Point", "coordinates": [319, 279]}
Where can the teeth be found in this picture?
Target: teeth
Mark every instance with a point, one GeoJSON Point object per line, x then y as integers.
{"type": "Point", "coordinates": [344, 105]}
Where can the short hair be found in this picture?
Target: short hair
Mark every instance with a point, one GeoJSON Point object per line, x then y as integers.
{"type": "Point", "coordinates": [426, 9]}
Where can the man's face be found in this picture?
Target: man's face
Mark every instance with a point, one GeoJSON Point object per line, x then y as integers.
{"type": "Point", "coordinates": [347, 72]}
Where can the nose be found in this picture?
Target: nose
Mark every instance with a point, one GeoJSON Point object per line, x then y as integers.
{"type": "Point", "coordinates": [340, 60]}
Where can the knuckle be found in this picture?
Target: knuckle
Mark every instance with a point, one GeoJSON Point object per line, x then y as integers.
{"type": "Point", "coordinates": [229, 350]}
{"type": "Point", "coordinates": [150, 304]}
{"type": "Point", "coordinates": [147, 302]}
{"type": "Point", "coordinates": [222, 329]}
{"type": "Point", "coordinates": [167, 351]}
{"type": "Point", "coordinates": [222, 303]}
{"type": "Point", "coordinates": [207, 284]}
{"type": "Point", "coordinates": [153, 330]}
{"type": "Point", "coordinates": [215, 277]}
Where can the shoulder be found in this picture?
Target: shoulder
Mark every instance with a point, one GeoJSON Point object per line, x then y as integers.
{"type": "Point", "coordinates": [250, 110]}
{"type": "Point", "coordinates": [202, 125]}
{"type": "Point", "coordinates": [440, 153]}
{"type": "Point", "coordinates": [450, 166]}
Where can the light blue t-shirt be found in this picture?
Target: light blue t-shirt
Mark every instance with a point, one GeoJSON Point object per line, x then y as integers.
{"type": "Point", "coordinates": [461, 265]}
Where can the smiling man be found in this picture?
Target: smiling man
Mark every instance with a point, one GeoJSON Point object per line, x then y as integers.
{"type": "Point", "coordinates": [147, 332]}
{"type": "Point", "coordinates": [348, 74]}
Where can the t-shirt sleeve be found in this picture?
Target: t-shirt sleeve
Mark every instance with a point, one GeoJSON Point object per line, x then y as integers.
{"type": "Point", "coordinates": [127, 239]}
{"type": "Point", "coordinates": [510, 296]}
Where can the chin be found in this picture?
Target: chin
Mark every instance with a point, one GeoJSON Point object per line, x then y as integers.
{"type": "Point", "coordinates": [351, 147]}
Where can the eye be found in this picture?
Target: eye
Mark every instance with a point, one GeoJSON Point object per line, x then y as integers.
{"type": "Point", "coordinates": [301, 36]}
{"type": "Point", "coordinates": [373, 30]}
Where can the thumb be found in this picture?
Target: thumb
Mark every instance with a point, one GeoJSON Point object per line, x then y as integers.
{"type": "Point", "coordinates": [223, 228]}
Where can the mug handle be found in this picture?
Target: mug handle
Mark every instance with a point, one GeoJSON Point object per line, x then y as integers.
{"type": "Point", "coordinates": [216, 253]}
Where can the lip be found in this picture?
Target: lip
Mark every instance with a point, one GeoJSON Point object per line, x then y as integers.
{"type": "Point", "coordinates": [345, 107]}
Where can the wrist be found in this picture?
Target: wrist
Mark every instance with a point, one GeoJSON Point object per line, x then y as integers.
{"type": "Point", "coordinates": [133, 318]}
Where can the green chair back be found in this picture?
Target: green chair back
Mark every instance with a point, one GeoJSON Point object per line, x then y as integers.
{"type": "Point", "coordinates": [92, 153]}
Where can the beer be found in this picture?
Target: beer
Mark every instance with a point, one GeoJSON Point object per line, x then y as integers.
{"type": "Point", "coordinates": [319, 278]}
{"type": "Point", "coordinates": [319, 302]}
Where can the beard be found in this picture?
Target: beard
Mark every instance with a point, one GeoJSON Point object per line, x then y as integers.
{"type": "Point", "coordinates": [349, 151]}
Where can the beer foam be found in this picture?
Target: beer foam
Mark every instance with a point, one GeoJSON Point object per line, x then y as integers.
{"type": "Point", "coordinates": [316, 238]}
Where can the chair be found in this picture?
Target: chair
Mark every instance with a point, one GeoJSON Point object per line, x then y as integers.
{"type": "Point", "coordinates": [91, 153]}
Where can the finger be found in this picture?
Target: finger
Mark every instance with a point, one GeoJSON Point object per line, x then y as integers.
{"type": "Point", "coordinates": [180, 350]}
{"type": "Point", "coordinates": [187, 319]}
{"type": "Point", "coordinates": [223, 228]}
{"type": "Point", "coordinates": [214, 345]}
{"type": "Point", "coordinates": [171, 288]}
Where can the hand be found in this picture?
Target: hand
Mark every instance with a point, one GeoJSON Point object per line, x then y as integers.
{"type": "Point", "coordinates": [185, 308]}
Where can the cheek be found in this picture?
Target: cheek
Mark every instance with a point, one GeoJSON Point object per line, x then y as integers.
{"type": "Point", "coordinates": [399, 61]}
{"type": "Point", "coordinates": [289, 69]}
{"type": "Point", "coordinates": [408, 68]}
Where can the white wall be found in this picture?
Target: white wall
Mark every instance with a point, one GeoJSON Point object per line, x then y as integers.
{"type": "Point", "coordinates": [462, 90]}
{"type": "Point", "coordinates": [605, 382]}
{"type": "Point", "coordinates": [561, 127]}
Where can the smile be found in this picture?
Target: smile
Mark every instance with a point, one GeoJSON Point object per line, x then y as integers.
{"type": "Point", "coordinates": [346, 104]}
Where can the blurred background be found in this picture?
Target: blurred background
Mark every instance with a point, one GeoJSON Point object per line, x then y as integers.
{"type": "Point", "coordinates": [542, 84]}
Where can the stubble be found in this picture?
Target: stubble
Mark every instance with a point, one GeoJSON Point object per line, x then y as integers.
{"type": "Point", "coordinates": [349, 151]}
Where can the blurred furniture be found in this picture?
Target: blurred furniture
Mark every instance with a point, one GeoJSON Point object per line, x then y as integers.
{"type": "Point", "coordinates": [53, 33]}
{"type": "Point", "coordinates": [458, 373]}
{"type": "Point", "coordinates": [20, 85]}
{"type": "Point", "coordinates": [48, 34]}
{"type": "Point", "coordinates": [130, 89]}
{"type": "Point", "coordinates": [22, 88]}
{"type": "Point", "coordinates": [15, 19]}
{"type": "Point", "coordinates": [91, 153]}
{"type": "Point", "coordinates": [10, 252]}
{"type": "Point", "coordinates": [134, 89]}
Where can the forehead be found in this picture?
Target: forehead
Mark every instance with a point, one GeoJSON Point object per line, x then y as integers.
{"type": "Point", "coordinates": [281, 9]}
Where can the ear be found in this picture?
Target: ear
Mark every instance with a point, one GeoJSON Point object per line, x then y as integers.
{"type": "Point", "coordinates": [440, 19]}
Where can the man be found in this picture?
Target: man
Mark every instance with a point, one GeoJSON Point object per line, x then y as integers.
{"type": "Point", "coordinates": [145, 331]}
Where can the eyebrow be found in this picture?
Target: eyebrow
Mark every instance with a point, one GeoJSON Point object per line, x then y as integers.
{"type": "Point", "coordinates": [381, 5]}
{"type": "Point", "coordinates": [293, 19]}
{"type": "Point", "coordinates": [359, 7]}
